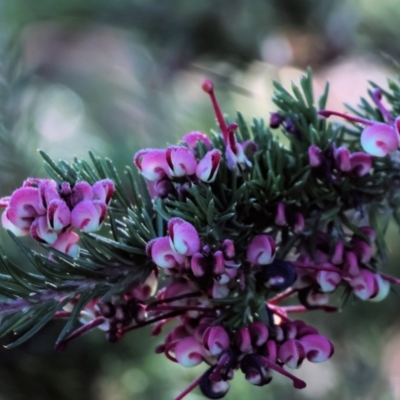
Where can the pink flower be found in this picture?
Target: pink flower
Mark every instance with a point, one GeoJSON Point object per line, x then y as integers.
{"type": "Point", "coordinates": [41, 232]}
{"type": "Point", "coordinates": [152, 163]}
{"type": "Point", "coordinates": [103, 190]}
{"type": "Point", "coordinates": [184, 238]}
{"type": "Point", "coordinates": [314, 156]}
{"type": "Point", "coordinates": [189, 352]}
{"type": "Point", "coordinates": [88, 215]}
{"type": "Point", "coordinates": [317, 348]}
{"type": "Point", "coordinates": [328, 280]}
{"type": "Point", "coordinates": [370, 286]}
{"type": "Point", "coordinates": [67, 243]}
{"type": "Point", "coordinates": [162, 253]}
{"type": "Point", "coordinates": [291, 353]}
{"type": "Point", "coordinates": [181, 161]}
{"type": "Point", "coordinates": [258, 333]}
{"type": "Point", "coordinates": [58, 215]}
{"type": "Point", "coordinates": [216, 340]}
{"type": "Point", "coordinates": [280, 218]}
{"type": "Point", "coordinates": [261, 250]}
{"type": "Point", "coordinates": [342, 159]}
{"type": "Point", "coordinates": [243, 340]}
{"type": "Point", "coordinates": [82, 191]}
{"type": "Point", "coordinates": [361, 163]}
{"type": "Point", "coordinates": [192, 138]}
{"type": "Point", "coordinates": [208, 166]}
{"type": "Point", "coordinates": [380, 139]}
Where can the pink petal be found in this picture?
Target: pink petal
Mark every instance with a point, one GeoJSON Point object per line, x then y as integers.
{"type": "Point", "coordinates": [58, 215]}
{"type": "Point", "coordinates": [67, 243]}
{"type": "Point", "coordinates": [88, 215]}
{"type": "Point", "coordinates": [317, 348]}
{"type": "Point", "coordinates": [261, 250]}
{"type": "Point", "coordinates": [184, 238]}
{"type": "Point", "coordinates": [192, 138]}
{"type": "Point", "coordinates": [152, 163]}
{"type": "Point", "coordinates": [379, 139]}
{"type": "Point", "coordinates": [181, 161]}
{"type": "Point", "coordinates": [41, 232]}
{"type": "Point", "coordinates": [208, 167]}
{"type": "Point", "coordinates": [189, 352]}
{"type": "Point", "coordinates": [163, 255]}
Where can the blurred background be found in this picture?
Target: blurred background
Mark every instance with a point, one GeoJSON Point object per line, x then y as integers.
{"type": "Point", "coordinates": [114, 76]}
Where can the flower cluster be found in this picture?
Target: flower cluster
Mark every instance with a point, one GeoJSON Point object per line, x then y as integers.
{"type": "Point", "coordinates": [228, 237]}
{"type": "Point", "coordinates": [49, 212]}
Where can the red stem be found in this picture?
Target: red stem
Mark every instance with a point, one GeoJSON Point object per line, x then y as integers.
{"type": "Point", "coordinates": [327, 114]}
{"type": "Point", "coordinates": [390, 279]}
{"type": "Point", "coordinates": [61, 346]}
{"type": "Point", "coordinates": [171, 299]}
{"type": "Point", "coordinates": [181, 308]}
{"type": "Point", "coordinates": [321, 268]}
{"type": "Point", "coordinates": [281, 296]}
{"type": "Point", "coordinates": [297, 383]}
{"type": "Point", "coordinates": [189, 388]}
{"type": "Point", "coordinates": [208, 87]}
{"type": "Point", "coordinates": [150, 321]}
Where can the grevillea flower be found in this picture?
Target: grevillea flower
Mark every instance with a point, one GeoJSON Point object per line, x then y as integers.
{"type": "Point", "coordinates": [67, 243]}
{"type": "Point", "coordinates": [291, 353]}
{"type": "Point", "coordinates": [152, 163]}
{"type": "Point", "coordinates": [370, 286]}
{"type": "Point", "coordinates": [181, 161]}
{"type": "Point", "coordinates": [317, 348]}
{"type": "Point", "coordinates": [216, 340]}
{"type": "Point", "coordinates": [192, 138]}
{"type": "Point", "coordinates": [378, 139]}
{"type": "Point", "coordinates": [183, 237]}
{"type": "Point", "coordinates": [163, 254]}
{"type": "Point", "coordinates": [189, 352]}
{"type": "Point", "coordinates": [88, 215]}
{"type": "Point", "coordinates": [314, 156]}
{"type": "Point", "coordinates": [208, 166]}
{"type": "Point", "coordinates": [342, 159]}
{"type": "Point", "coordinates": [361, 163]}
{"type": "Point", "coordinates": [261, 250]}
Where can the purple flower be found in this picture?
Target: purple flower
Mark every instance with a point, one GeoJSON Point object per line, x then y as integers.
{"type": "Point", "coordinates": [208, 166]}
{"type": "Point", "coordinates": [192, 138]}
{"type": "Point", "coordinates": [41, 232]}
{"type": "Point", "coordinates": [342, 159]}
{"type": "Point", "coordinates": [317, 347]}
{"type": "Point", "coordinates": [361, 163]}
{"type": "Point", "coordinates": [181, 161]}
{"type": "Point", "coordinates": [189, 352]}
{"type": "Point", "coordinates": [291, 353]}
{"type": "Point", "coordinates": [58, 214]}
{"type": "Point", "coordinates": [261, 250]}
{"type": "Point", "coordinates": [314, 156]}
{"type": "Point", "coordinates": [67, 243]}
{"type": "Point", "coordinates": [88, 215]}
{"type": "Point", "coordinates": [152, 163]}
{"type": "Point", "coordinates": [216, 340]}
{"type": "Point", "coordinates": [162, 254]}
{"type": "Point", "coordinates": [380, 139]}
{"type": "Point", "coordinates": [183, 236]}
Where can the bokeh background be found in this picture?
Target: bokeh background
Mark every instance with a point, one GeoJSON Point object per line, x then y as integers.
{"type": "Point", "coordinates": [114, 76]}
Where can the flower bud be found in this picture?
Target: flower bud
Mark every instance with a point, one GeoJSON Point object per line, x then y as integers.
{"type": "Point", "coordinates": [181, 161]}
{"type": "Point", "coordinates": [342, 159]}
{"type": "Point", "coordinates": [328, 280]}
{"type": "Point", "coordinates": [211, 389]}
{"type": "Point", "coordinates": [314, 156]}
{"type": "Point", "coordinates": [280, 218]}
{"type": "Point", "coordinates": [151, 163]}
{"type": "Point", "coordinates": [88, 215]}
{"type": "Point", "coordinates": [216, 340]}
{"type": "Point", "coordinates": [162, 254]}
{"type": "Point", "coordinates": [218, 263]}
{"type": "Point", "coordinates": [275, 120]}
{"type": "Point", "coordinates": [317, 348]}
{"type": "Point", "coordinates": [183, 237]}
{"type": "Point", "coordinates": [258, 333]}
{"type": "Point", "coordinates": [82, 191]}
{"type": "Point", "coordinates": [337, 256]}
{"type": "Point", "coordinates": [103, 190]}
{"type": "Point", "coordinates": [261, 250]}
{"type": "Point", "coordinates": [189, 352]}
{"type": "Point", "coordinates": [67, 243]}
{"type": "Point", "coordinates": [58, 215]}
{"type": "Point", "coordinates": [228, 248]}
{"type": "Point", "coordinates": [361, 163]}
{"type": "Point", "coordinates": [279, 275]}
{"type": "Point", "coordinates": [208, 166]}
{"type": "Point", "coordinates": [255, 372]}
{"type": "Point", "coordinates": [291, 353]}
{"type": "Point", "coordinates": [351, 263]}
{"type": "Point", "coordinates": [41, 232]}
{"type": "Point", "coordinates": [379, 139]}
{"type": "Point", "coordinates": [192, 138]}
{"type": "Point", "coordinates": [243, 340]}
